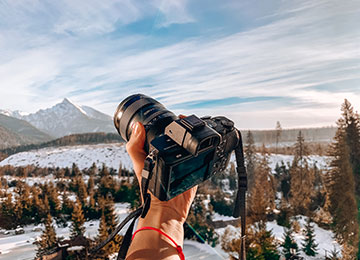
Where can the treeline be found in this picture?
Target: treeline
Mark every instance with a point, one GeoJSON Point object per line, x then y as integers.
{"type": "Point", "coordinates": [318, 135]}
{"type": "Point", "coordinates": [74, 196]}
{"type": "Point", "coordinates": [75, 139]}
{"type": "Point", "coordinates": [30, 203]}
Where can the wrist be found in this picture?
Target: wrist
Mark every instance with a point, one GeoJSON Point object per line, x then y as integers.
{"type": "Point", "coordinates": [166, 219]}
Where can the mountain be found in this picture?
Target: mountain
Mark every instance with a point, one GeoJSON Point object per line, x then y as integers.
{"type": "Point", "coordinates": [14, 132]}
{"type": "Point", "coordinates": [68, 118]}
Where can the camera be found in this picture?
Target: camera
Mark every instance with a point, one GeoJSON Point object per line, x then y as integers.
{"type": "Point", "coordinates": [183, 151]}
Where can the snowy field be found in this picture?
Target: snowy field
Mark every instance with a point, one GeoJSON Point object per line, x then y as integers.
{"type": "Point", "coordinates": [83, 155]}
{"type": "Point", "coordinates": [111, 155]}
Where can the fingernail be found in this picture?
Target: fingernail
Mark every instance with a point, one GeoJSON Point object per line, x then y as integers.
{"type": "Point", "coordinates": [136, 128]}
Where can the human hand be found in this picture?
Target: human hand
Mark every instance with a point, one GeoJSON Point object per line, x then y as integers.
{"type": "Point", "coordinates": [176, 208]}
{"type": "Point", "coordinates": [168, 216]}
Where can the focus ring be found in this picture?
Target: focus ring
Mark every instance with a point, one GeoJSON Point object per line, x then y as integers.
{"type": "Point", "coordinates": [129, 112]}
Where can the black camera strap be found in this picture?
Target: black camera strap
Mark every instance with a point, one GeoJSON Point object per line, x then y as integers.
{"type": "Point", "coordinates": [240, 202]}
{"type": "Point", "coordinates": [133, 215]}
{"type": "Point", "coordinates": [141, 211]}
{"type": "Point", "coordinates": [146, 175]}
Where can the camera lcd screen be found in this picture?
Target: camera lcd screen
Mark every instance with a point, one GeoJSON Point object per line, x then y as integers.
{"type": "Point", "coordinates": [191, 172]}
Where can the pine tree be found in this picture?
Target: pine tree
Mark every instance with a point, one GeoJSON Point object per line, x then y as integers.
{"type": "Point", "coordinates": [309, 245]}
{"type": "Point", "coordinates": [25, 203]}
{"type": "Point", "coordinates": [91, 208]}
{"type": "Point", "coordinates": [48, 240]}
{"type": "Point", "coordinates": [67, 205]}
{"type": "Point", "coordinates": [282, 174]}
{"type": "Point", "coordinates": [351, 122]}
{"type": "Point", "coordinates": [36, 205]}
{"type": "Point", "coordinates": [261, 199]}
{"type": "Point", "coordinates": [301, 178]}
{"type": "Point", "coordinates": [278, 134]}
{"type": "Point", "coordinates": [352, 133]}
{"type": "Point", "coordinates": [103, 234]}
{"type": "Point", "coordinates": [334, 255]}
{"type": "Point", "coordinates": [107, 225]}
{"type": "Point", "coordinates": [18, 210]}
{"type": "Point", "coordinates": [104, 172]}
{"type": "Point", "coordinates": [107, 183]}
{"type": "Point", "coordinates": [262, 244]}
{"type": "Point", "coordinates": [77, 221]}
{"type": "Point", "coordinates": [91, 184]}
{"type": "Point", "coordinates": [109, 211]}
{"type": "Point", "coordinates": [75, 171]}
{"type": "Point", "coordinates": [53, 197]}
{"type": "Point", "coordinates": [7, 213]}
{"type": "Point", "coordinates": [341, 187]}
{"type": "Point", "coordinates": [250, 159]}
{"type": "Point", "coordinates": [93, 170]}
{"type": "Point", "coordinates": [81, 189]}
{"type": "Point", "coordinates": [290, 248]}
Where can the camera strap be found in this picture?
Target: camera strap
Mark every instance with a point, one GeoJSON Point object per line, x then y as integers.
{"type": "Point", "coordinates": [240, 202]}
{"type": "Point", "coordinates": [141, 211]}
{"type": "Point", "coordinates": [146, 175]}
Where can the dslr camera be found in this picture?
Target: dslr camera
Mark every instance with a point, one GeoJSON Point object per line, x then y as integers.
{"type": "Point", "coordinates": [183, 151]}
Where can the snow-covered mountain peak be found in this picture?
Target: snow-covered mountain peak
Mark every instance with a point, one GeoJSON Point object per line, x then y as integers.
{"type": "Point", "coordinates": [67, 101]}
{"type": "Point", "coordinates": [5, 112]}
{"type": "Point", "coordinates": [66, 107]}
{"type": "Point", "coordinates": [66, 118]}
{"type": "Point", "coordinates": [17, 113]}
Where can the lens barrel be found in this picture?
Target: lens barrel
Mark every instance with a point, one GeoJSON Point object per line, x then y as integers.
{"type": "Point", "coordinates": [141, 108]}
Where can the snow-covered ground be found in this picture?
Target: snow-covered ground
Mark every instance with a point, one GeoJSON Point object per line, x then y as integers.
{"type": "Point", "coordinates": [83, 155]}
{"type": "Point", "coordinates": [321, 162]}
{"type": "Point", "coordinates": [324, 238]}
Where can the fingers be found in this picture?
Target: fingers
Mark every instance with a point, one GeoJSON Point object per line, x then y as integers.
{"type": "Point", "coordinates": [135, 148]}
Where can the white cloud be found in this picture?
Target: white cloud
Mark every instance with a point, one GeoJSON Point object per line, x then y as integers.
{"type": "Point", "coordinates": [306, 46]}
{"type": "Point", "coordinates": [174, 12]}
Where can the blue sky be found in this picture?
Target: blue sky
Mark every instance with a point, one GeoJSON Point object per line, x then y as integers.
{"type": "Point", "coordinates": [256, 62]}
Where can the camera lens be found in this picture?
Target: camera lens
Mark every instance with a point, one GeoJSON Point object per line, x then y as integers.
{"type": "Point", "coordinates": [141, 108]}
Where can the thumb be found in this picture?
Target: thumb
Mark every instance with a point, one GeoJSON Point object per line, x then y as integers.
{"type": "Point", "coordinates": [135, 147]}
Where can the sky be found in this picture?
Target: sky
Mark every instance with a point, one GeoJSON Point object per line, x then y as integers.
{"type": "Point", "coordinates": [255, 62]}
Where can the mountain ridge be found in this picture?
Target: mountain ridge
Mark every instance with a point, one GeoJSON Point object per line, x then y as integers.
{"type": "Point", "coordinates": [67, 118]}
{"type": "Point", "coordinates": [15, 132]}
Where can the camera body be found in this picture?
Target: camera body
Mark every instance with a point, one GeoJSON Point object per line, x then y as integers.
{"type": "Point", "coordinates": [189, 152]}
{"type": "Point", "coordinates": [182, 152]}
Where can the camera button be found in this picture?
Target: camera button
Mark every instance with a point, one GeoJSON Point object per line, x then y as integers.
{"type": "Point", "coordinates": [227, 123]}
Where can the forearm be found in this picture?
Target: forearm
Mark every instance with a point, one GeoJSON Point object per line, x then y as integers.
{"type": "Point", "coordinates": [149, 244]}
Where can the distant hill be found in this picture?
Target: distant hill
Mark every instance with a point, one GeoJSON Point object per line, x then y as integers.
{"type": "Point", "coordinates": [9, 138]}
{"type": "Point", "coordinates": [288, 136]}
{"type": "Point", "coordinates": [76, 139]}
{"type": "Point", "coordinates": [14, 132]}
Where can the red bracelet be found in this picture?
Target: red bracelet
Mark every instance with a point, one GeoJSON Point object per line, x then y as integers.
{"type": "Point", "coordinates": [178, 248]}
